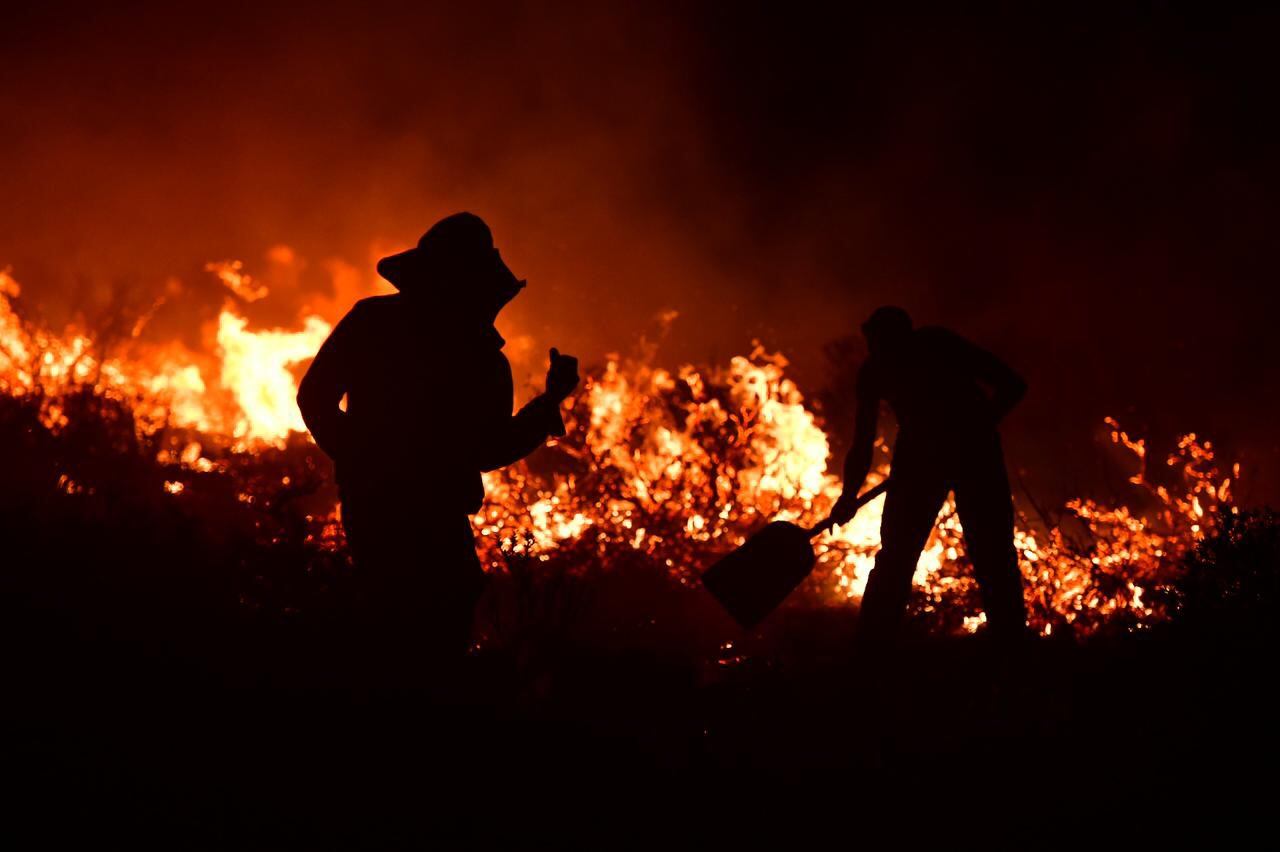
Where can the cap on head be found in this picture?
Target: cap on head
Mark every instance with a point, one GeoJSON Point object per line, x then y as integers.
{"type": "Point", "coordinates": [887, 322]}
{"type": "Point", "coordinates": [451, 246]}
{"type": "Point", "coordinates": [461, 236]}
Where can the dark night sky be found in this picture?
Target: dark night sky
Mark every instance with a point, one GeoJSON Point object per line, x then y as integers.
{"type": "Point", "coordinates": [1090, 193]}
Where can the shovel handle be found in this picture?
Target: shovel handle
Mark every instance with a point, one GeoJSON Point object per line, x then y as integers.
{"type": "Point", "coordinates": [863, 499]}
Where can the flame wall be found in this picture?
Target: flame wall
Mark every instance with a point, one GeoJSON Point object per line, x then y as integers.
{"type": "Point", "coordinates": [1090, 195]}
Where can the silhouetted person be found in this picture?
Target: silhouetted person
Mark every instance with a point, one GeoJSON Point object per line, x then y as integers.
{"type": "Point", "coordinates": [428, 407]}
{"type": "Point", "coordinates": [948, 396]}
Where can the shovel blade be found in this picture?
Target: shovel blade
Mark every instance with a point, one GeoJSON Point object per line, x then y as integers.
{"type": "Point", "coordinates": [753, 580]}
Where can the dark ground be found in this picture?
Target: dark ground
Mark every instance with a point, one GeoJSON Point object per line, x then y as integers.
{"type": "Point", "coordinates": [162, 682]}
{"type": "Point", "coordinates": [1152, 737]}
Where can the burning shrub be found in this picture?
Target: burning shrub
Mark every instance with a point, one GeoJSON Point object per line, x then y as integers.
{"type": "Point", "coordinates": [660, 470]}
{"type": "Point", "coordinates": [682, 467]}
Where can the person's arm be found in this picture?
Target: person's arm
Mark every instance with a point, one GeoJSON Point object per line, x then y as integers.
{"type": "Point", "coordinates": [857, 463]}
{"type": "Point", "coordinates": [322, 388]}
{"type": "Point", "coordinates": [1007, 387]}
{"type": "Point", "coordinates": [506, 439]}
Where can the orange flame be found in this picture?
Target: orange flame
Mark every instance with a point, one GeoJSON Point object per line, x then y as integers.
{"type": "Point", "coordinates": [166, 388]}
{"type": "Point", "coordinates": [673, 467]}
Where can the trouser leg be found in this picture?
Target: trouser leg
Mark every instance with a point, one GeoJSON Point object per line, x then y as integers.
{"type": "Point", "coordinates": [421, 580]}
{"type": "Point", "coordinates": [910, 510]}
{"type": "Point", "coordinates": [985, 507]}
{"type": "Point", "coordinates": [452, 583]}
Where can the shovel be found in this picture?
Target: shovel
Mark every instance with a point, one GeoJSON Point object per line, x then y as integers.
{"type": "Point", "coordinates": [753, 580]}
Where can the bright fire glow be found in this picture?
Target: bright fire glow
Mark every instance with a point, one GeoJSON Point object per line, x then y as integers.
{"type": "Point", "coordinates": [672, 468]}
{"type": "Point", "coordinates": [250, 396]}
{"type": "Point", "coordinates": [255, 366]}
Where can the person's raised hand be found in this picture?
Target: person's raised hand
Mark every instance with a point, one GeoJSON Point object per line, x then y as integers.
{"type": "Point", "coordinates": [562, 376]}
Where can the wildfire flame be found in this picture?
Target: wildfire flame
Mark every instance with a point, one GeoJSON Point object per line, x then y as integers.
{"type": "Point", "coordinates": [670, 467]}
{"type": "Point", "coordinates": [255, 390]}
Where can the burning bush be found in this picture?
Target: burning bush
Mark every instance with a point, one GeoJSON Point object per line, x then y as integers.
{"type": "Point", "coordinates": [661, 469]}
{"type": "Point", "coordinates": [682, 467]}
